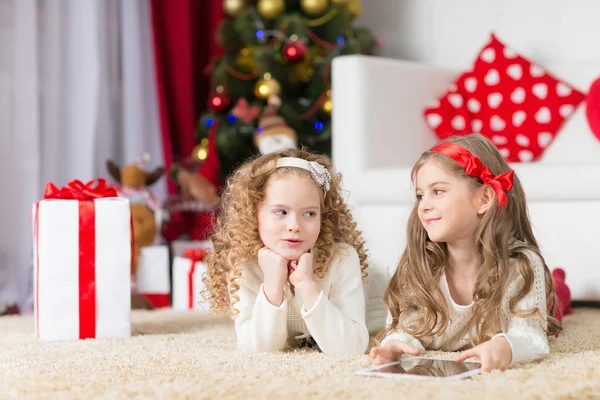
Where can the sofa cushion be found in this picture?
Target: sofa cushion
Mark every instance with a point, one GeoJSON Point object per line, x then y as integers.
{"type": "Point", "coordinates": [513, 102]}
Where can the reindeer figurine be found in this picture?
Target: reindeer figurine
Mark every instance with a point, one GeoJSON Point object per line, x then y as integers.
{"type": "Point", "coordinates": [145, 210]}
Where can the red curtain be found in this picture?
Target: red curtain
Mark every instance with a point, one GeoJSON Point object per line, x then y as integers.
{"type": "Point", "coordinates": [184, 44]}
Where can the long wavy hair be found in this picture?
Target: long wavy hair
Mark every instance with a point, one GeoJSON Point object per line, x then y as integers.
{"type": "Point", "coordinates": [414, 297]}
{"type": "Point", "coordinates": [236, 239]}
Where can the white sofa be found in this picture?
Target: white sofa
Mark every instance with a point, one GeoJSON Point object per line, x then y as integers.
{"type": "Point", "coordinates": [379, 132]}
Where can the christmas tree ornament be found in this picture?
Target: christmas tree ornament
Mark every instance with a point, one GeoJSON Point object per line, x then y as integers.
{"type": "Point", "coordinates": [245, 112]}
{"type": "Point", "coordinates": [355, 8]}
{"type": "Point", "coordinates": [314, 7]}
{"type": "Point", "coordinates": [218, 102]}
{"type": "Point", "coordinates": [303, 71]}
{"type": "Point", "coordinates": [273, 133]}
{"type": "Point", "coordinates": [294, 51]}
{"type": "Point", "coordinates": [327, 106]}
{"type": "Point", "coordinates": [270, 9]}
{"type": "Point", "coordinates": [267, 87]}
{"type": "Point", "coordinates": [245, 60]}
{"type": "Point", "coordinates": [233, 7]}
{"type": "Point", "coordinates": [200, 152]}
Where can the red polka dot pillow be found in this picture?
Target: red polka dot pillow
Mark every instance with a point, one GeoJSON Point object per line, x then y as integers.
{"type": "Point", "coordinates": [507, 98]}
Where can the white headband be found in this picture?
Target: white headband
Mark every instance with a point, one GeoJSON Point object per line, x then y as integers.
{"type": "Point", "coordinates": [318, 172]}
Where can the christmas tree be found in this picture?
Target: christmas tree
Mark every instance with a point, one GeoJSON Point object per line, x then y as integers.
{"type": "Point", "coordinates": [272, 87]}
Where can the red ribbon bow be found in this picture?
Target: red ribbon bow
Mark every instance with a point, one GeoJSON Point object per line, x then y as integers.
{"type": "Point", "coordinates": [474, 167]}
{"type": "Point", "coordinates": [196, 255]}
{"type": "Point", "coordinates": [77, 190]}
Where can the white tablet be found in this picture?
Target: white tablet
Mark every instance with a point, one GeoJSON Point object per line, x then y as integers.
{"type": "Point", "coordinates": [410, 367]}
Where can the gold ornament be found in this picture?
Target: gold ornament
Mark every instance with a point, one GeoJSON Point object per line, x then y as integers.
{"type": "Point", "coordinates": [327, 106]}
{"type": "Point", "coordinates": [303, 71]}
{"type": "Point", "coordinates": [245, 60]}
{"type": "Point", "coordinates": [233, 7]}
{"type": "Point", "coordinates": [271, 9]}
{"type": "Point", "coordinates": [200, 151]}
{"type": "Point", "coordinates": [267, 87]}
{"type": "Point", "coordinates": [355, 8]}
{"type": "Point", "coordinates": [317, 53]}
{"type": "Point", "coordinates": [314, 7]}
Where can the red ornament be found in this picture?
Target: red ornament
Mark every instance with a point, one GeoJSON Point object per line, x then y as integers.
{"type": "Point", "coordinates": [218, 102]}
{"type": "Point", "coordinates": [592, 109]}
{"type": "Point", "coordinates": [294, 51]}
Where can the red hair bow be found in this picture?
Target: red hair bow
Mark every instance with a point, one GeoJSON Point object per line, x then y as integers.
{"type": "Point", "coordinates": [474, 167]}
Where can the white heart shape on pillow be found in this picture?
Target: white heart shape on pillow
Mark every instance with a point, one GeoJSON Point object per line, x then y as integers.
{"type": "Point", "coordinates": [544, 139]}
{"type": "Point", "coordinates": [473, 106]}
{"type": "Point", "coordinates": [525, 155]}
{"type": "Point", "coordinates": [497, 124]}
{"type": "Point", "coordinates": [522, 140]}
{"type": "Point", "coordinates": [563, 90]}
{"type": "Point", "coordinates": [518, 118]}
{"type": "Point", "coordinates": [488, 55]}
{"type": "Point", "coordinates": [515, 71]}
{"type": "Point", "coordinates": [536, 71]}
{"type": "Point", "coordinates": [494, 100]}
{"type": "Point", "coordinates": [504, 152]}
{"type": "Point", "coordinates": [543, 115]}
{"type": "Point", "coordinates": [456, 100]}
{"type": "Point", "coordinates": [518, 95]}
{"type": "Point", "coordinates": [565, 110]}
{"type": "Point", "coordinates": [540, 90]}
{"type": "Point", "coordinates": [509, 53]}
{"type": "Point", "coordinates": [470, 84]}
{"type": "Point", "coordinates": [434, 120]}
{"type": "Point", "coordinates": [499, 140]}
{"type": "Point", "coordinates": [476, 125]}
{"type": "Point", "coordinates": [458, 123]}
{"type": "Point", "coordinates": [492, 77]}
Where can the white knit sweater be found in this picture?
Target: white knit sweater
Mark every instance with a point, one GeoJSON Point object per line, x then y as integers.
{"type": "Point", "coordinates": [336, 321]}
{"type": "Point", "coordinates": [526, 336]}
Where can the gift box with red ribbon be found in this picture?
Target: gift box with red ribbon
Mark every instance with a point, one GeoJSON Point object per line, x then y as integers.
{"type": "Point", "coordinates": [153, 280]}
{"type": "Point", "coordinates": [82, 262]}
{"type": "Point", "coordinates": [187, 280]}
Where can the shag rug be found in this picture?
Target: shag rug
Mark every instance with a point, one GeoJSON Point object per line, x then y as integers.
{"type": "Point", "coordinates": [175, 355]}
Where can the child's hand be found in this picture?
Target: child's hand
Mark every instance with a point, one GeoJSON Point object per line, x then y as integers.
{"type": "Point", "coordinates": [493, 354]}
{"type": "Point", "coordinates": [301, 277]}
{"type": "Point", "coordinates": [391, 351]}
{"type": "Point", "coordinates": [275, 270]}
{"type": "Point", "coordinates": [301, 271]}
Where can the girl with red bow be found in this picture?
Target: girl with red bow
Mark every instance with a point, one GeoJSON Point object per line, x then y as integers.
{"type": "Point", "coordinates": [472, 277]}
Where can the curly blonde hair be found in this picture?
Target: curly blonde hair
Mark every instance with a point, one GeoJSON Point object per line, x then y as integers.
{"type": "Point", "coordinates": [236, 239]}
{"type": "Point", "coordinates": [414, 294]}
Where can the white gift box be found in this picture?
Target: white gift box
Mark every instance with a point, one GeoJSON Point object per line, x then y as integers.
{"type": "Point", "coordinates": [187, 284]}
{"type": "Point", "coordinates": [82, 268]}
{"type": "Point", "coordinates": [152, 275]}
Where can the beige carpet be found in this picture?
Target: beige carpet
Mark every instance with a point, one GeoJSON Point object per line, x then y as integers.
{"type": "Point", "coordinates": [189, 355]}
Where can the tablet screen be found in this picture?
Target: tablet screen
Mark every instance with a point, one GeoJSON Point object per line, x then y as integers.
{"type": "Point", "coordinates": [427, 367]}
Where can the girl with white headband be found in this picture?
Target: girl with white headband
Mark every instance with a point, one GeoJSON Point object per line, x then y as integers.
{"type": "Point", "coordinates": [288, 261]}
